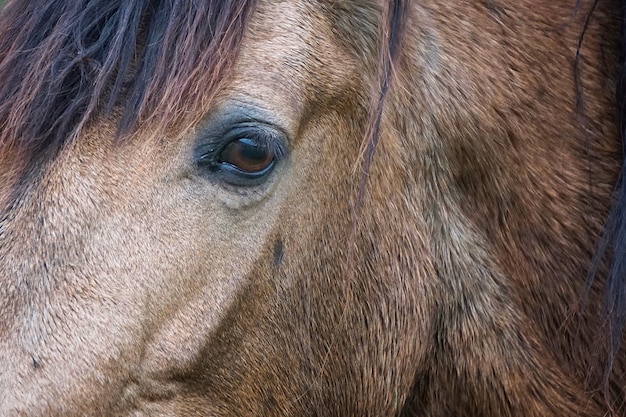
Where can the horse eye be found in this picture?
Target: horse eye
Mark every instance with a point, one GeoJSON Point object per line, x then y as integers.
{"type": "Point", "coordinates": [248, 155]}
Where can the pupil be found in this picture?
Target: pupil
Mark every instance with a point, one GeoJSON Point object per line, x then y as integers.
{"type": "Point", "coordinates": [251, 150]}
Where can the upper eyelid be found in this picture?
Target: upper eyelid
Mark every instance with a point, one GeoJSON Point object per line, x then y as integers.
{"type": "Point", "coordinates": [271, 141]}
{"type": "Point", "coordinates": [212, 142]}
{"type": "Point", "coordinates": [238, 112]}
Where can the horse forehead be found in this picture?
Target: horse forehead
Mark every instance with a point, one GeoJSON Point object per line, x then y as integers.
{"type": "Point", "coordinates": [290, 41]}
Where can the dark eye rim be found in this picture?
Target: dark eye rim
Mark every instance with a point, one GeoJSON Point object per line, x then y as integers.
{"type": "Point", "coordinates": [252, 174]}
{"type": "Point", "coordinates": [208, 155]}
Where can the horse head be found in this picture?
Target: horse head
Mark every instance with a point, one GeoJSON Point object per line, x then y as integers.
{"type": "Point", "coordinates": [289, 208]}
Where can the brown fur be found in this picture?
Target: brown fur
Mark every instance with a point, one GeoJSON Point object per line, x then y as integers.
{"type": "Point", "coordinates": [133, 285]}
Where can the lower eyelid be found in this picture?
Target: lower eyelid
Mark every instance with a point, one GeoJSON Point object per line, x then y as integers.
{"type": "Point", "coordinates": [232, 176]}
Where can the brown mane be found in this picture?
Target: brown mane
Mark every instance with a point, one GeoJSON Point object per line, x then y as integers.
{"type": "Point", "coordinates": [77, 59]}
{"type": "Point", "coordinates": [612, 245]}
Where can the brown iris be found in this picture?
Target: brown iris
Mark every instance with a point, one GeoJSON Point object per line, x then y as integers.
{"type": "Point", "coordinates": [247, 155]}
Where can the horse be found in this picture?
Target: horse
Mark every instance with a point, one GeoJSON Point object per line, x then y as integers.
{"type": "Point", "coordinates": [312, 208]}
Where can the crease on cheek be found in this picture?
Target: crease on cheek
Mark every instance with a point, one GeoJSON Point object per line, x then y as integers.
{"type": "Point", "coordinates": [175, 346]}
